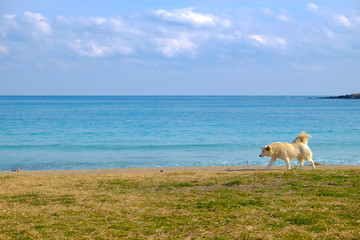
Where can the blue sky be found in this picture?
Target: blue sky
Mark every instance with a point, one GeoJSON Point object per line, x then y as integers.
{"type": "Point", "coordinates": [190, 47]}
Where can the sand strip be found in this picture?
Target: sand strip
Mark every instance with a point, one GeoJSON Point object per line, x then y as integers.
{"type": "Point", "coordinates": [170, 169]}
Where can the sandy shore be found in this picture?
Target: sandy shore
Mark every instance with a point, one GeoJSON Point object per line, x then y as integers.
{"type": "Point", "coordinates": [170, 169]}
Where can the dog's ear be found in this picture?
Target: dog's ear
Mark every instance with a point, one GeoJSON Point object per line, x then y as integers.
{"type": "Point", "coordinates": [268, 148]}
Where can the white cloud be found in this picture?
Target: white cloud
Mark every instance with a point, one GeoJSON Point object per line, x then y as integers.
{"type": "Point", "coordinates": [8, 23]}
{"type": "Point", "coordinates": [94, 49]}
{"type": "Point", "coordinates": [269, 41]}
{"type": "Point", "coordinates": [172, 47]}
{"type": "Point", "coordinates": [282, 17]}
{"type": "Point", "coordinates": [23, 26]}
{"type": "Point", "coordinates": [259, 39]}
{"type": "Point", "coordinates": [312, 7]}
{"type": "Point", "coordinates": [342, 20]}
{"type": "Point", "coordinates": [9, 16]}
{"type": "Point", "coordinates": [39, 22]}
{"type": "Point", "coordinates": [89, 49]}
{"type": "Point", "coordinates": [280, 42]}
{"type": "Point", "coordinates": [180, 32]}
{"type": "Point", "coordinates": [115, 22]}
{"type": "Point", "coordinates": [100, 37]}
{"type": "Point", "coordinates": [81, 24]}
{"type": "Point", "coordinates": [99, 23]}
{"type": "Point", "coordinates": [187, 15]}
{"type": "Point", "coordinates": [98, 20]}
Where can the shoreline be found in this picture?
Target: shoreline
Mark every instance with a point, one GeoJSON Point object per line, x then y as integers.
{"type": "Point", "coordinates": [140, 170]}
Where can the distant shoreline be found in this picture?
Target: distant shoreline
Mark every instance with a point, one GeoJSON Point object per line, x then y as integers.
{"type": "Point", "coordinates": [145, 170]}
{"type": "Point", "coordinates": [348, 96]}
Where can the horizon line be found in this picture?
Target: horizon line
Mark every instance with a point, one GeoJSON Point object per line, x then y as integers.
{"type": "Point", "coordinates": [159, 95]}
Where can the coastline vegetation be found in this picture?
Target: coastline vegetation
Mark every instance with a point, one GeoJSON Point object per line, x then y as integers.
{"type": "Point", "coordinates": [319, 204]}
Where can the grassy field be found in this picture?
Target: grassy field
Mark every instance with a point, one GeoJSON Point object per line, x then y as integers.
{"type": "Point", "coordinates": [319, 204]}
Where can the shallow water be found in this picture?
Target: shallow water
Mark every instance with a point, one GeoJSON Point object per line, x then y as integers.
{"type": "Point", "coordinates": [62, 132]}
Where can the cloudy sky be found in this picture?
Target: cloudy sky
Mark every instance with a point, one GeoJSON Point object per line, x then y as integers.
{"type": "Point", "coordinates": [189, 47]}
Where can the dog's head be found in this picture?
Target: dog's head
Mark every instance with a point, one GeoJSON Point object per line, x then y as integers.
{"type": "Point", "coordinates": [266, 151]}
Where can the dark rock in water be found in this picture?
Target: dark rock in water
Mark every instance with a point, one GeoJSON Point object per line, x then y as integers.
{"type": "Point", "coordinates": [349, 96]}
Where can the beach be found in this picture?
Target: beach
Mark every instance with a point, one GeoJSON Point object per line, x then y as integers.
{"type": "Point", "coordinates": [172, 170]}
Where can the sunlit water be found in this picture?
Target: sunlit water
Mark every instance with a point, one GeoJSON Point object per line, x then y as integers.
{"type": "Point", "coordinates": [42, 133]}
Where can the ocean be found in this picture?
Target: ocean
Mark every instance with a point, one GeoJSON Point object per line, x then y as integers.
{"type": "Point", "coordinates": [95, 132]}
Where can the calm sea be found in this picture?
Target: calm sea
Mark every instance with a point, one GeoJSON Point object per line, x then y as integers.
{"type": "Point", "coordinates": [62, 132]}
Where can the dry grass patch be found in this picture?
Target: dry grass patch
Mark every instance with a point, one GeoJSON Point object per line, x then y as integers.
{"type": "Point", "coordinates": [251, 205]}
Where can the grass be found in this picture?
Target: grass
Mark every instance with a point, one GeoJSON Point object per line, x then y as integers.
{"type": "Point", "coordinates": [319, 204]}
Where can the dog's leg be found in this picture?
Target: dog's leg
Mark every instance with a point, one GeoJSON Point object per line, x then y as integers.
{"type": "Point", "coordinates": [312, 163]}
{"type": "Point", "coordinates": [309, 159]}
{"type": "Point", "coordinates": [301, 165]}
{"type": "Point", "coordinates": [288, 165]}
{"type": "Point", "coordinates": [270, 163]}
{"type": "Point", "coordinates": [301, 161]}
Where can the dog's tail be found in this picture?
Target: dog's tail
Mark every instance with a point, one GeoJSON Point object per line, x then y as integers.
{"type": "Point", "coordinates": [302, 138]}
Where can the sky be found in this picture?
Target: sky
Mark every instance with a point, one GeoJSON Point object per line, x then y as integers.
{"type": "Point", "coordinates": [189, 47]}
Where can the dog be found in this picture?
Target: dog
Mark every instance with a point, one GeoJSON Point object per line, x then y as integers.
{"type": "Point", "coordinates": [287, 151]}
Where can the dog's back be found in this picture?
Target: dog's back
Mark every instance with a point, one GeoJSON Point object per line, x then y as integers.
{"type": "Point", "coordinates": [288, 150]}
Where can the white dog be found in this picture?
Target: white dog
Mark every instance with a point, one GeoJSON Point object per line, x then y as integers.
{"type": "Point", "coordinates": [287, 151]}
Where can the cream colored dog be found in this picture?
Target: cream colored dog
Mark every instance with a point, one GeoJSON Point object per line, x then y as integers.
{"type": "Point", "coordinates": [287, 151]}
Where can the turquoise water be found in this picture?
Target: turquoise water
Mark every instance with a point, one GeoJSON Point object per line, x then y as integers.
{"type": "Point", "coordinates": [62, 132]}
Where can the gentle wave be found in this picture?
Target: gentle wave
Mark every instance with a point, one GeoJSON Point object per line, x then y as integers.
{"type": "Point", "coordinates": [110, 147]}
{"type": "Point", "coordinates": [118, 131]}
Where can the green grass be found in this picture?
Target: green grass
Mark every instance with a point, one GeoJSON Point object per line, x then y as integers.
{"type": "Point", "coordinates": [319, 204]}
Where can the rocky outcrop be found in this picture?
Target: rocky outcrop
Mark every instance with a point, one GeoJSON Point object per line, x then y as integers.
{"type": "Point", "coordinates": [349, 96]}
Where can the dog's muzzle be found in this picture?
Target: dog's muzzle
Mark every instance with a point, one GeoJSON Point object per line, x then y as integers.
{"type": "Point", "coordinates": [261, 155]}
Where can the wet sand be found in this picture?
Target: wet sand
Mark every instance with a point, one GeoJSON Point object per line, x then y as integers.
{"type": "Point", "coordinates": [171, 170]}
